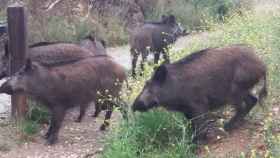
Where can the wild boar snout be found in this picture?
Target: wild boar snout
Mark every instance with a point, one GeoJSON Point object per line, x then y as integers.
{"type": "Point", "coordinates": [140, 105]}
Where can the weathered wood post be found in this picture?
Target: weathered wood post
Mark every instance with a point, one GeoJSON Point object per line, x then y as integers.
{"type": "Point", "coordinates": [17, 47]}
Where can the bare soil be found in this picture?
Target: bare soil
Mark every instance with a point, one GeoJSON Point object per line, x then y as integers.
{"type": "Point", "coordinates": [76, 140]}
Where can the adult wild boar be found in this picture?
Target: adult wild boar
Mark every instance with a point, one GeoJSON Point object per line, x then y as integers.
{"type": "Point", "coordinates": [95, 79]}
{"type": "Point", "coordinates": [207, 80]}
{"type": "Point", "coordinates": [57, 53]}
{"type": "Point", "coordinates": [154, 37]}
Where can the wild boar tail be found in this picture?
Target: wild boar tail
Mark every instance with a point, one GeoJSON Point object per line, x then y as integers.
{"type": "Point", "coordinates": [263, 92]}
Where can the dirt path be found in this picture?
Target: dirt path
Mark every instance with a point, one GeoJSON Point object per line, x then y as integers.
{"type": "Point", "coordinates": [242, 140]}
{"type": "Point", "coordinates": [76, 140]}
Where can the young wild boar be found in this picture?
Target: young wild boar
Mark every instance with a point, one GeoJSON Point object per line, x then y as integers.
{"type": "Point", "coordinates": [95, 79]}
{"type": "Point", "coordinates": [154, 37]}
{"type": "Point", "coordinates": [207, 80]}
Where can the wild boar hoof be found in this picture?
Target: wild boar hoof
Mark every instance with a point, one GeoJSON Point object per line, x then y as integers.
{"type": "Point", "coordinates": [103, 127]}
{"type": "Point", "coordinates": [78, 120]}
{"type": "Point", "coordinates": [51, 140]}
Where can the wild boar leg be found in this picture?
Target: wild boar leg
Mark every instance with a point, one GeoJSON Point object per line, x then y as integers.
{"type": "Point", "coordinates": [250, 101]}
{"type": "Point", "coordinates": [108, 115]}
{"type": "Point", "coordinates": [82, 112]}
{"type": "Point", "coordinates": [241, 111]}
{"type": "Point", "coordinates": [134, 55]}
{"type": "Point", "coordinates": [57, 118]}
{"type": "Point", "coordinates": [156, 57]}
{"type": "Point", "coordinates": [98, 109]}
{"type": "Point", "coordinates": [165, 56]}
{"type": "Point", "coordinates": [144, 59]}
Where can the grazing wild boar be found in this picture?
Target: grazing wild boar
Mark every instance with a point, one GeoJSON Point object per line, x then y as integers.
{"type": "Point", "coordinates": [207, 80]}
{"type": "Point", "coordinates": [154, 37]}
{"type": "Point", "coordinates": [96, 79]}
{"type": "Point", "coordinates": [56, 53]}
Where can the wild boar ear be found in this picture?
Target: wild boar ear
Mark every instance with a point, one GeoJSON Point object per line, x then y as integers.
{"type": "Point", "coordinates": [160, 74]}
{"type": "Point", "coordinates": [28, 65]}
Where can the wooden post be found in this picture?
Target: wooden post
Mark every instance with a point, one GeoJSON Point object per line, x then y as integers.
{"type": "Point", "coordinates": [17, 48]}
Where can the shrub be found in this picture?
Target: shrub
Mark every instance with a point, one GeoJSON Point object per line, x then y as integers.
{"type": "Point", "coordinates": [194, 14]}
{"type": "Point", "coordinates": [36, 116]}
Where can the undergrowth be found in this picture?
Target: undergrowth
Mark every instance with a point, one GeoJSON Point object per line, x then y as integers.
{"type": "Point", "coordinates": [156, 133]}
{"type": "Point", "coordinates": [135, 139]}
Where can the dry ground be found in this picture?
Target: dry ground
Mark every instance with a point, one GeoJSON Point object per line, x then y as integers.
{"type": "Point", "coordinates": [76, 140]}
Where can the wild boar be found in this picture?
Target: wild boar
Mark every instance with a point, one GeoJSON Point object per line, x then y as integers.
{"type": "Point", "coordinates": [95, 79]}
{"type": "Point", "coordinates": [207, 80]}
{"type": "Point", "coordinates": [154, 37]}
{"type": "Point", "coordinates": [57, 53]}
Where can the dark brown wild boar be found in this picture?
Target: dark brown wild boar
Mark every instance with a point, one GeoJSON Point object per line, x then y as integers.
{"type": "Point", "coordinates": [57, 53]}
{"type": "Point", "coordinates": [48, 54]}
{"type": "Point", "coordinates": [207, 80]}
{"type": "Point", "coordinates": [154, 37]}
{"type": "Point", "coordinates": [96, 79]}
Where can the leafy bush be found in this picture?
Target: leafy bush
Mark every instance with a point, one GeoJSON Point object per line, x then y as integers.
{"type": "Point", "coordinates": [37, 113]}
{"type": "Point", "coordinates": [29, 127]}
{"type": "Point", "coordinates": [58, 28]}
{"type": "Point", "coordinates": [36, 116]}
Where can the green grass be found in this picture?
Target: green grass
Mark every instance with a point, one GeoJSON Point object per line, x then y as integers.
{"type": "Point", "coordinates": [153, 134]}
{"type": "Point", "coordinates": [36, 116]}
{"type": "Point", "coordinates": [272, 139]}
{"type": "Point", "coordinates": [143, 136]}
{"type": "Point", "coordinates": [193, 14]}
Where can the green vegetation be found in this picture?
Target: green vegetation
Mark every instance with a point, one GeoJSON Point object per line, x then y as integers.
{"type": "Point", "coordinates": [135, 139]}
{"type": "Point", "coordinates": [272, 139]}
{"type": "Point", "coordinates": [153, 134]}
{"type": "Point", "coordinates": [36, 116]}
{"type": "Point", "coordinates": [58, 28]}
{"type": "Point", "coordinates": [193, 14]}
